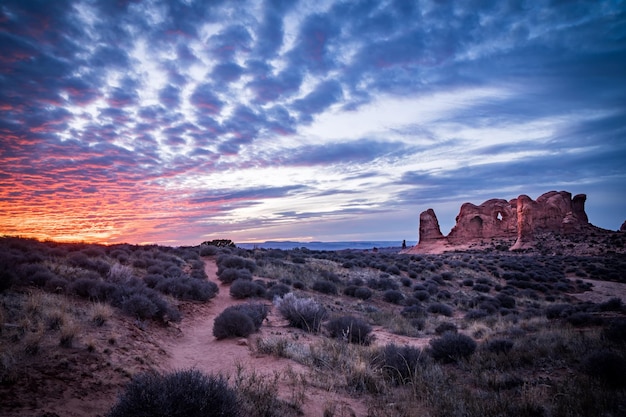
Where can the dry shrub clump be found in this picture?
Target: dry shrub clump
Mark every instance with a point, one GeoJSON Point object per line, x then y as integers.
{"type": "Point", "coordinates": [350, 329]}
{"type": "Point", "coordinates": [239, 321]}
{"type": "Point", "coordinates": [302, 313]}
{"type": "Point", "coordinates": [186, 393]}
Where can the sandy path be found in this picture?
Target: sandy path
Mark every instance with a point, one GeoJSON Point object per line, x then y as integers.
{"type": "Point", "coordinates": [196, 347]}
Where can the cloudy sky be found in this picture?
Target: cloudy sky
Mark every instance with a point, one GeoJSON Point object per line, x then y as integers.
{"type": "Point", "coordinates": [180, 121]}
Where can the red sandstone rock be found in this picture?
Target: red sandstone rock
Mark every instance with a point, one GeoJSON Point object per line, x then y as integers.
{"type": "Point", "coordinates": [554, 211]}
{"type": "Point", "coordinates": [429, 226]}
{"type": "Point", "coordinates": [493, 218]}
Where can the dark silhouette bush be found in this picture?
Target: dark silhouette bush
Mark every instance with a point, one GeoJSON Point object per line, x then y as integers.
{"type": "Point", "coordinates": [393, 296]}
{"type": "Point", "coordinates": [325, 287]}
{"type": "Point", "coordinates": [382, 284]}
{"type": "Point", "coordinates": [614, 304]}
{"type": "Point", "coordinates": [452, 347]}
{"type": "Point", "coordinates": [349, 328]}
{"type": "Point", "coordinates": [303, 313]}
{"type": "Point", "coordinates": [256, 311]}
{"type": "Point", "coordinates": [186, 288]}
{"type": "Point", "coordinates": [499, 346]}
{"type": "Point", "coordinates": [229, 275]}
{"type": "Point", "coordinates": [474, 314]}
{"type": "Point", "coordinates": [363, 293]}
{"type": "Point", "coordinates": [241, 289]}
{"type": "Point", "coordinates": [606, 366]}
{"type": "Point", "coordinates": [506, 301]}
{"type": "Point", "coordinates": [615, 331]}
{"type": "Point", "coordinates": [235, 262]}
{"type": "Point", "coordinates": [439, 308]}
{"type": "Point", "coordinates": [421, 295]}
{"type": "Point", "coordinates": [446, 327]}
{"type": "Point", "coordinates": [481, 288]}
{"type": "Point", "coordinates": [399, 364]}
{"type": "Point", "coordinates": [187, 393]}
{"type": "Point", "coordinates": [232, 323]}
{"type": "Point", "coordinates": [413, 312]}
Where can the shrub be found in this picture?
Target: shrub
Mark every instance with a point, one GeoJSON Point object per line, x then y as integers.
{"type": "Point", "coordinates": [393, 296]}
{"type": "Point", "coordinates": [607, 366]}
{"type": "Point", "coordinates": [614, 304]}
{"type": "Point", "coordinates": [231, 274]}
{"type": "Point", "coordinates": [277, 290]}
{"type": "Point", "coordinates": [325, 287]}
{"type": "Point", "coordinates": [439, 308]}
{"type": "Point", "coordinates": [499, 346]}
{"type": "Point", "coordinates": [446, 327]}
{"type": "Point", "coordinates": [186, 288]}
{"type": "Point", "coordinates": [303, 313]}
{"type": "Point", "coordinates": [232, 323]}
{"type": "Point", "coordinates": [481, 287]}
{"type": "Point", "coordinates": [382, 284]}
{"type": "Point", "coordinates": [235, 262]}
{"type": "Point", "coordinates": [616, 331]}
{"type": "Point", "coordinates": [350, 328]}
{"type": "Point", "coordinates": [413, 312]}
{"type": "Point", "coordinates": [399, 364]}
{"type": "Point", "coordinates": [140, 306]}
{"type": "Point", "coordinates": [241, 289]}
{"type": "Point", "coordinates": [452, 347]}
{"type": "Point", "coordinates": [421, 295]}
{"type": "Point", "coordinates": [187, 393]}
{"type": "Point", "coordinates": [256, 311]}
{"type": "Point", "coordinates": [475, 314]}
{"type": "Point", "coordinates": [363, 293]}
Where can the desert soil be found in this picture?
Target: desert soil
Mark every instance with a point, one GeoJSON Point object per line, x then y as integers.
{"type": "Point", "coordinates": [74, 382]}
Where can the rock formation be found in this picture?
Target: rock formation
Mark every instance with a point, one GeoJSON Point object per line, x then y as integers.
{"type": "Point", "coordinates": [521, 218]}
{"type": "Point", "coordinates": [621, 229]}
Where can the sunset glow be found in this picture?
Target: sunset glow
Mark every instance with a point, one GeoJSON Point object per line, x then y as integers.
{"type": "Point", "coordinates": [176, 122]}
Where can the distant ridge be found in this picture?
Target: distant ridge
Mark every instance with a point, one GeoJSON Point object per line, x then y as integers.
{"type": "Point", "coordinates": [329, 246]}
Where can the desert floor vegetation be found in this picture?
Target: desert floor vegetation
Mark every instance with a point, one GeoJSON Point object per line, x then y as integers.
{"type": "Point", "coordinates": [474, 333]}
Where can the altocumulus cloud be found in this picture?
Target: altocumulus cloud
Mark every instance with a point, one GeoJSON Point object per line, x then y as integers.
{"type": "Point", "coordinates": [178, 121]}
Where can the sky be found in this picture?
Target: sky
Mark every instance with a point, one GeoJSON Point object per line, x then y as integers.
{"type": "Point", "coordinates": [176, 122]}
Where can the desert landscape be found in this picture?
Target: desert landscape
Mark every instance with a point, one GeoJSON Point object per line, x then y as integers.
{"type": "Point", "coordinates": [474, 329]}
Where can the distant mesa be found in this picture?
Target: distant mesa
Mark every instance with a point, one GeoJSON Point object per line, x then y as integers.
{"type": "Point", "coordinates": [521, 218]}
{"type": "Point", "coordinates": [623, 227]}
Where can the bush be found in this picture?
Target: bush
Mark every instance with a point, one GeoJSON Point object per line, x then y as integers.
{"type": "Point", "coordinates": [325, 287]}
{"type": "Point", "coordinates": [256, 311]}
{"type": "Point", "coordinates": [363, 293]}
{"type": "Point", "coordinates": [616, 331]}
{"type": "Point", "coordinates": [187, 393]}
{"type": "Point", "coordinates": [352, 329]}
{"type": "Point", "coordinates": [421, 295]}
{"type": "Point", "coordinates": [607, 366]}
{"type": "Point", "coordinates": [229, 275]}
{"type": "Point", "coordinates": [393, 296]}
{"type": "Point", "coordinates": [446, 327]}
{"type": "Point", "coordinates": [399, 364]}
{"type": "Point", "coordinates": [186, 288]}
{"type": "Point", "coordinates": [413, 312]}
{"type": "Point", "coordinates": [499, 346]}
{"type": "Point", "coordinates": [235, 262]}
{"type": "Point", "coordinates": [277, 290]}
{"type": "Point", "coordinates": [452, 347]}
{"type": "Point", "coordinates": [303, 313]}
{"type": "Point", "coordinates": [241, 289]}
{"type": "Point", "coordinates": [439, 308]}
{"type": "Point", "coordinates": [232, 323]}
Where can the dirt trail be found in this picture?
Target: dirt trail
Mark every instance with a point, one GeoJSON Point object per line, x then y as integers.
{"type": "Point", "coordinates": [196, 347]}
